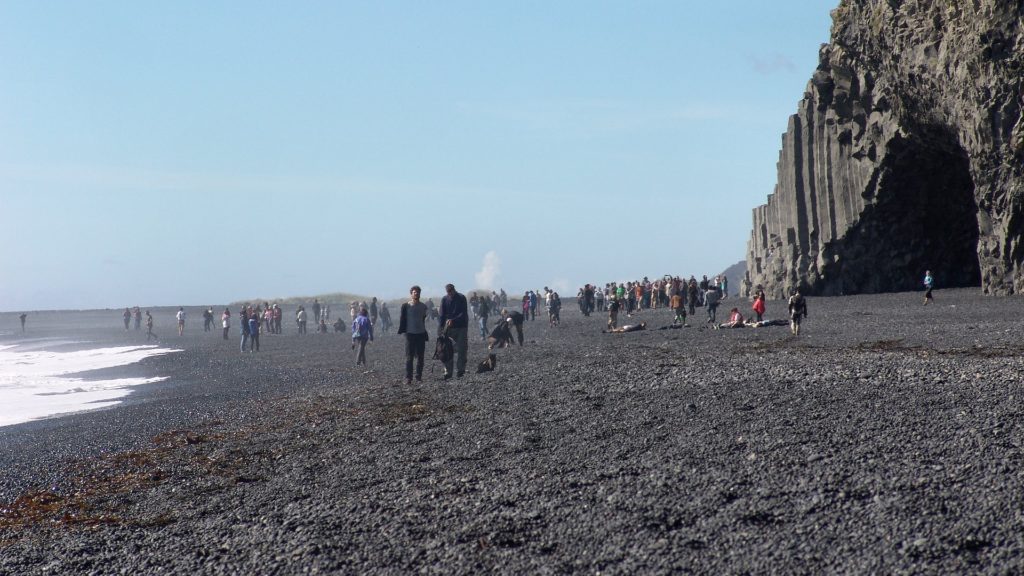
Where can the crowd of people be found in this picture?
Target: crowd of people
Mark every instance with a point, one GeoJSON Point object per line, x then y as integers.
{"type": "Point", "coordinates": [673, 293]}
{"type": "Point", "coordinates": [678, 296]}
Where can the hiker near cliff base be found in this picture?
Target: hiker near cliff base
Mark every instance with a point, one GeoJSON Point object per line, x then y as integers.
{"type": "Point", "coordinates": [797, 311]}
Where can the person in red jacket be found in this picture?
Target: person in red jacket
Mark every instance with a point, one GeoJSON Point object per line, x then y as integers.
{"type": "Point", "coordinates": [759, 305]}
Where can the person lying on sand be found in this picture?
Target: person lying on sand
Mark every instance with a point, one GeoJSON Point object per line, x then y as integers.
{"type": "Point", "coordinates": [763, 323]}
{"type": "Point", "coordinates": [626, 328]}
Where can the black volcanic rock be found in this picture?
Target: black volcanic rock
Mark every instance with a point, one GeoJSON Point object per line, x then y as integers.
{"type": "Point", "coordinates": [905, 154]}
{"type": "Point", "coordinates": [886, 439]}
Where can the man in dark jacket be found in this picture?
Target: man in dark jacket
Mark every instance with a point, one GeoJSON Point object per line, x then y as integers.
{"type": "Point", "coordinates": [501, 336]}
{"type": "Point", "coordinates": [692, 294]}
{"type": "Point", "coordinates": [483, 312]}
{"type": "Point", "coordinates": [588, 299]}
{"type": "Point", "coordinates": [517, 321]}
{"type": "Point", "coordinates": [412, 322]}
{"type": "Point", "coordinates": [454, 319]}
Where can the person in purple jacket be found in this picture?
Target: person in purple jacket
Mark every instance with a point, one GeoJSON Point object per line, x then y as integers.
{"type": "Point", "coordinates": [362, 332]}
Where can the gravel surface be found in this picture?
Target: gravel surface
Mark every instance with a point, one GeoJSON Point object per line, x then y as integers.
{"type": "Point", "coordinates": [887, 438]}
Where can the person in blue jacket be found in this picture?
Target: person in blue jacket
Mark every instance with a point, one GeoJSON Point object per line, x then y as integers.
{"type": "Point", "coordinates": [254, 332]}
{"type": "Point", "coordinates": [362, 332]}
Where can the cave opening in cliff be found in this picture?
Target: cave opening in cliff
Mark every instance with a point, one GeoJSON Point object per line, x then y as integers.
{"type": "Point", "coordinates": [924, 217]}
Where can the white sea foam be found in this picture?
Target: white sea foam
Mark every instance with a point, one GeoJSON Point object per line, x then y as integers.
{"type": "Point", "coordinates": [34, 383]}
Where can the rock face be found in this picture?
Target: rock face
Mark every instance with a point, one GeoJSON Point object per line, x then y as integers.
{"type": "Point", "coordinates": [906, 154]}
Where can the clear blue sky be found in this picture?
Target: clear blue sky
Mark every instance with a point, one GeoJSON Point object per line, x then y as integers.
{"type": "Point", "coordinates": [166, 153]}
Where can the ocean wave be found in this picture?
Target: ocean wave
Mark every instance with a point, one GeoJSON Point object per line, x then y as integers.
{"type": "Point", "coordinates": [37, 383]}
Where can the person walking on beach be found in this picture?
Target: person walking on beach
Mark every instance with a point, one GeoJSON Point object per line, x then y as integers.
{"type": "Point", "coordinates": [692, 295]}
{"type": "Point", "coordinates": [22, 318]}
{"type": "Point", "coordinates": [711, 299]}
{"type": "Point", "coordinates": [127, 318]}
{"type": "Point", "coordinates": [243, 321]}
{"type": "Point", "coordinates": [300, 319]}
{"type": "Point", "coordinates": [483, 310]}
{"type": "Point", "coordinates": [679, 307]}
{"type": "Point", "coordinates": [137, 316]}
{"type": "Point", "coordinates": [149, 327]}
{"type": "Point", "coordinates": [254, 331]}
{"type": "Point", "coordinates": [412, 321]}
{"type": "Point", "coordinates": [225, 321]}
{"type": "Point", "coordinates": [555, 310]}
{"type": "Point", "coordinates": [454, 321]}
{"type": "Point", "coordinates": [385, 316]}
{"type": "Point", "coordinates": [181, 321]}
{"type": "Point", "coordinates": [929, 282]}
{"type": "Point", "coordinates": [797, 311]}
{"type": "Point", "coordinates": [362, 332]}
{"type": "Point", "coordinates": [613, 314]}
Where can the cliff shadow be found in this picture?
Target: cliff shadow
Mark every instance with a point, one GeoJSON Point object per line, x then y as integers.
{"type": "Point", "coordinates": [921, 215]}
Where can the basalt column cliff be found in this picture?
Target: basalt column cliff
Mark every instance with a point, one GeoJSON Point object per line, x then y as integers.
{"type": "Point", "coordinates": [906, 154]}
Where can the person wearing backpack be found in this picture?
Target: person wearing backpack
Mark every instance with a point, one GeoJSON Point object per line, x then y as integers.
{"type": "Point", "coordinates": [412, 321]}
{"type": "Point", "coordinates": [454, 321]}
{"type": "Point", "coordinates": [613, 313]}
{"type": "Point", "coordinates": [362, 332]}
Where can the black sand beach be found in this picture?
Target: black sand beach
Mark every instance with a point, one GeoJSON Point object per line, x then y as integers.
{"type": "Point", "coordinates": [888, 438]}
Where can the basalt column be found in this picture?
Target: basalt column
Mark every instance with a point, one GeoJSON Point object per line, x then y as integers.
{"type": "Point", "coordinates": [905, 155]}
